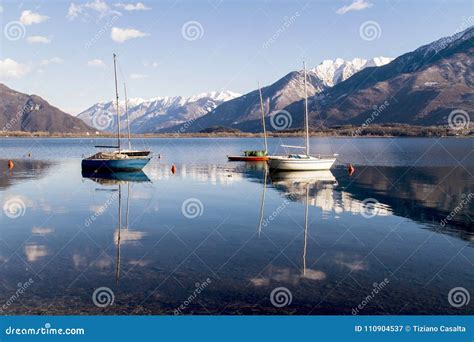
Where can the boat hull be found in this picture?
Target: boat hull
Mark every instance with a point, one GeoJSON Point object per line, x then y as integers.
{"type": "Point", "coordinates": [129, 164]}
{"type": "Point", "coordinates": [135, 153]}
{"type": "Point", "coordinates": [311, 164]}
{"type": "Point", "coordinates": [248, 158]}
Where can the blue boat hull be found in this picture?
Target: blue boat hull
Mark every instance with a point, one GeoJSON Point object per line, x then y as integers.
{"type": "Point", "coordinates": [132, 164]}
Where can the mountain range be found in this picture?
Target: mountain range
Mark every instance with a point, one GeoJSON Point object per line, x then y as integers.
{"type": "Point", "coordinates": [421, 87]}
{"type": "Point", "coordinates": [160, 114]}
{"type": "Point", "coordinates": [147, 116]}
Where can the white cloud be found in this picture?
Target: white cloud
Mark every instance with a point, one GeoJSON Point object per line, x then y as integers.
{"type": "Point", "coordinates": [1, 9]}
{"type": "Point", "coordinates": [12, 69]}
{"type": "Point", "coordinates": [139, 6]}
{"type": "Point", "coordinates": [138, 76]}
{"type": "Point", "coordinates": [96, 63]}
{"type": "Point", "coordinates": [42, 230]}
{"type": "Point", "coordinates": [120, 35]}
{"type": "Point", "coordinates": [38, 40]}
{"type": "Point", "coordinates": [29, 18]}
{"type": "Point", "coordinates": [148, 64]}
{"type": "Point", "coordinates": [357, 5]}
{"type": "Point", "coordinates": [35, 252]}
{"type": "Point", "coordinates": [98, 5]}
{"type": "Point", "coordinates": [54, 60]}
{"type": "Point", "coordinates": [73, 11]}
{"type": "Point", "coordinates": [90, 9]}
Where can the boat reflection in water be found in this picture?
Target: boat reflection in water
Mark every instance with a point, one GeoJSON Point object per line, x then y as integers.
{"type": "Point", "coordinates": [297, 186]}
{"type": "Point", "coordinates": [118, 180]}
{"type": "Point", "coordinates": [302, 181]}
{"type": "Point", "coordinates": [285, 178]}
{"type": "Point", "coordinates": [115, 178]}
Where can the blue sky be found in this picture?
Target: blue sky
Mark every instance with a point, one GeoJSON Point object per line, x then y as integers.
{"type": "Point", "coordinates": [62, 50]}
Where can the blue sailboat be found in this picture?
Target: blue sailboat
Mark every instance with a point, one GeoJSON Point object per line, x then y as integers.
{"type": "Point", "coordinates": [118, 160]}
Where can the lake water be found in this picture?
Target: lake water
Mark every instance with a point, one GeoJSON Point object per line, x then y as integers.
{"type": "Point", "coordinates": [221, 237]}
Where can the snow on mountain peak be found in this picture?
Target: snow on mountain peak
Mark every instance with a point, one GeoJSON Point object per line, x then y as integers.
{"type": "Point", "coordinates": [436, 46]}
{"type": "Point", "coordinates": [178, 108]}
{"type": "Point", "coordinates": [332, 72]}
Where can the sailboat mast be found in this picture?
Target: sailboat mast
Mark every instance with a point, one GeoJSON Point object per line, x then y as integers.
{"type": "Point", "coordinates": [126, 112]}
{"type": "Point", "coordinates": [117, 103]}
{"type": "Point", "coordinates": [263, 119]}
{"type": "Point", "coordinates": [262, 204]}
{"type": "Point", "coordinates": [117, 266]}
{"type": "Point", "coordinates": [305, 229]}
{"type": "Point", "coordinates": [306, 110]}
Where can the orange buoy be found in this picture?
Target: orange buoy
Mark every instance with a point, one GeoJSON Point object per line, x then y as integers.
{"type": "Point", "coordinates": [11, 164]}
{"type": "Point", "coordinates": [350, 169]}
{"type": "Point", "coordinates": [173, 169]}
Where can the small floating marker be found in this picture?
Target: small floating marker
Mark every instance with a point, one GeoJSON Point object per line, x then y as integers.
{"type": "Point", "coordinates": [11, 164]}
{"type": "Point", "coordinates": [350, 169]}
{"type": "Point", "coordinates": [29, 155]}
{"type": "Point", "coordinates": [173, 169]}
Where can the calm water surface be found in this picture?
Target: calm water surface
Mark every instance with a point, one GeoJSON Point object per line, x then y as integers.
{"type": "Point", "coordinates": [401, 224]}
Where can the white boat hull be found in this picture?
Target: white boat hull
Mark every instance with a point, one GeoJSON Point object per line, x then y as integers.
{"type": "Point", "coordinates": [300, 164]}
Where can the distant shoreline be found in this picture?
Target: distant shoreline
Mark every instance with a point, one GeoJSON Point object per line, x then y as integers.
{"type": "Point", "coordinates": [391, 131]}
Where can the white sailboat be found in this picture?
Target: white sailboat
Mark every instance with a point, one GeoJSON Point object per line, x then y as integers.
{"type": "Point", "coordinates": [302, 162]}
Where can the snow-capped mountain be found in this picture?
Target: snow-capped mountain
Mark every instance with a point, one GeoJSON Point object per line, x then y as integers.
{"type": "Point", "coordinates": [428, 86]}
{"type": "Point", "coordinates": [287, 90]}
{"type": "Point", "coordinates": [331, 72]}
{"type": "Point", "coordinates": [154, 114]}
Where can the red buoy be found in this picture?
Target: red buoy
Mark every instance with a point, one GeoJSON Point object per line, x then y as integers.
{"type": "Point", "coordinates": [350, 169]}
